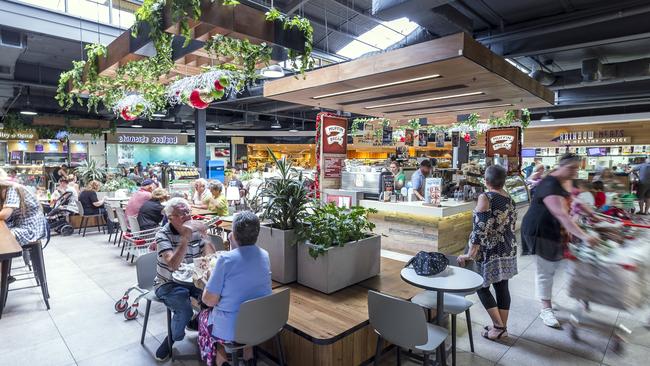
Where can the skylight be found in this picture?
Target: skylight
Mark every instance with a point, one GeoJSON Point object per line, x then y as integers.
{"type": "Point", "coordinates": [381, 37]}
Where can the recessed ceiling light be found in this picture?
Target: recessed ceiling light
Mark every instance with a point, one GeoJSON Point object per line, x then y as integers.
{"type": "Point", "coordinates": [434, 76]}
{"type": "Point", "coordinates": [458, 110]}
{"type": "Point", "coordinates": [159, 115]}
{"type": "Point", "coordinates": [136, 126]}
{"type": "Point", "coordinates": [28, 112]}
{"type": "Point", "coordinates": [547, 118]}
{"type": "Point", "coordinates": [426, 100]}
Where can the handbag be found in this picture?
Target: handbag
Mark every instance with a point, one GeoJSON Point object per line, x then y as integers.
{"type": "Point", "coordinates": [428, 263]}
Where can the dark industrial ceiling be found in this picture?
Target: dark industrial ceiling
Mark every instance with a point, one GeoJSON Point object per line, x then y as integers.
{"type": "Point", "coordinates": [594, 54]}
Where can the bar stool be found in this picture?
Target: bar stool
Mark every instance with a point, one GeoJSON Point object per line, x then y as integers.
{"type": "Point", "coordinates": [35, 250]}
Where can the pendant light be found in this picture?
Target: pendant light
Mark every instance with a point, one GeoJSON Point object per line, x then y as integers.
{"type": "Point", "coordinates": [27, 110]}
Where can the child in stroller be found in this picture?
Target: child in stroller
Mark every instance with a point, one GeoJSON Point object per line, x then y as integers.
{"type": "Point", "coordinates": [57, 218]}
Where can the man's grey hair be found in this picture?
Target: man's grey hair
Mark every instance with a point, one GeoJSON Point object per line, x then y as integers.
{"type": "Point", "coordinates": [246, 228]}
{"type": "Point", "coordinates": [215, 185]}
{"type": "Point", "coordinates": [172, 204]}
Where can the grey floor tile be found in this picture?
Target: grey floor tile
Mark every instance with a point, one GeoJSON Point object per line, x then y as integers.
{"type": "Point", "coordinates": [102, 337]}
{"type": "Point", "coordinates": [133, 354]}
{"type": "Point", "coordinates": [525, 352]}
{"type": "Point", "coordinates": [22, 336]}
{"type": "Point", "coordinates": [484, 348]}
{"type": "Point", "coordinates": [632, 355]}
{"type": "Point", "coordinates": [523, 311]}
{"type": "Point", "coordinates": [52, 352]}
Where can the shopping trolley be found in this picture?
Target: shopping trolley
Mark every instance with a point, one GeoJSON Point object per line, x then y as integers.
{"type": "Point", "coordinates": [614, 276]}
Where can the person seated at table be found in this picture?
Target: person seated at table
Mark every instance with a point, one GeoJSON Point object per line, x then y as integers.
{"type": "Point", "coordinates": [493, 246]}
{"type": "Point", "coordinates": [22, 213]}
{"type": "Point", "coordinates": [201, 194]}
{"type": "Point", "coordinates": [151, 213]}
{"type": "Point", "coordinates": [139, 198]}
{"type": "Point", "coordinates": [179, 241]}
{"type": "Point", "coordinates": [62, 188]}
{"type": "Point", "coordinates": [242, 274]}
{"type": "Point", "coordinates": [72, 183]}
{"type": "Point", "coordinates": [91, 204]}
{"type": "Point", "coordinates": [217, 202]}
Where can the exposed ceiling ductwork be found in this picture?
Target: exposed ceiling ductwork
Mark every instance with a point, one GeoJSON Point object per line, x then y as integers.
{"type": "Point", "coordinates": [12, 45]}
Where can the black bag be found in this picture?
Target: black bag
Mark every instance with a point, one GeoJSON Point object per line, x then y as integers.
{"type": "Point", "coordinates": [428, 263]}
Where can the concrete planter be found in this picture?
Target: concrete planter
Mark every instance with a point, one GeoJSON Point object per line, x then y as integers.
{"type": "Point", "coordinates": [282, 248]}
{"type": "Point", "coordinates": [339, 267]}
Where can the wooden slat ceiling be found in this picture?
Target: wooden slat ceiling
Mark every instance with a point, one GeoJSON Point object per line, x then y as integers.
{"type": "Point", "coordinates": [439, 79]}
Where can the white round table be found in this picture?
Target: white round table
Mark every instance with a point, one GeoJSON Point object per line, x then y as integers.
{"type": "Point", "coordinates": [452, 279]}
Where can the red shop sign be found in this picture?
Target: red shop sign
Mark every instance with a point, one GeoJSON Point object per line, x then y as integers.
{"type": "Point", "coordinates": [334, 136]}
{"type": "Point", "coordinates": [503, 141]}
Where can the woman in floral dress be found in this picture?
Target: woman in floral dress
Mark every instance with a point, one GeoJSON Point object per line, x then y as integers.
{"type": "Point", "coordinates": [494, 248]}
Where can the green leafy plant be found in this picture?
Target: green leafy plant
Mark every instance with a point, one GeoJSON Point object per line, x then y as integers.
{"type": "Point", "coordinates": [510, 117]}
{"type": "Point", "coordinates": [13, 123]}
{"type": "Point", "coordinates": [88, 171]}
{"type": "Point", "coordinates": [331, 226]}
{"type": "Point", "coordinates": [306, 61]}
{"type": "Point", "coordinates": [243, 54]}
{"type": "Point", "coordinates": [285, 199]}
{"type": "Point", "coordinates": [414, 124]}
{"type": "Point", "coordinates": [118, 183]}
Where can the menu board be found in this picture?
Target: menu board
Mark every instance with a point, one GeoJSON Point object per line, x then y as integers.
{"type": "Point", "coordinates": [440, 139]}
{"type": "Point", "coordinates": [505, 142]}
{"type": "Point", "coordinates": [455, 138]}
{"type": "Point", "coordinates": [423, 137]}
{"type": "Point", "coordinates": [387, 136]}
{"type": "Point", "coordinates": [408, 137]}
{"type": "Point", "coordinates": [433, 191]}
{"type": "Point", "coordinates": [333, 167]}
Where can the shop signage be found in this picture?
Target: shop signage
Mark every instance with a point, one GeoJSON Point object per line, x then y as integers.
{"type": "Point", "coordinates": [423, 138]}
{"type": "Point", "coordinates": [440, 139]}
{"type": "Point", "coordinates": [335, 139]}
{"type": "Point", "coordinates": [332, 150]}
{"type": "Point", "coordinates": [147, 139]}
{"type": "Point", "coordinates": [24, 135]}
{"type": "Point", "coordinates": [502, 141]}
{"type": "Point", "coordinates": [594, 137]}
{"type": "Point", "coordinates": [333, 167]}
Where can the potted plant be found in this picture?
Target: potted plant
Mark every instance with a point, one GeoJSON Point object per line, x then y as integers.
{"type": "Point", "coordinates": [284, 204]}
{"type": "Point", "coordinates": [88, 170]}
{"type": "Point", "coordinates": [339, 249]}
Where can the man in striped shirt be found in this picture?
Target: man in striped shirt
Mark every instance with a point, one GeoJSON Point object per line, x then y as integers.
{"type": "Point", "coordinates": [180, 241]}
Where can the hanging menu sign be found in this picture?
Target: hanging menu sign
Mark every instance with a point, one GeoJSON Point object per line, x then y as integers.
{"type": "Point", "coordinates": [423, 138]}
{"type": "Point", "coordinates": [505, 142]}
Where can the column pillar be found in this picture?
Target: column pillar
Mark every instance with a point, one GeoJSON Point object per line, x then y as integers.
{"type": "Point", "coordinates": [200, 142]}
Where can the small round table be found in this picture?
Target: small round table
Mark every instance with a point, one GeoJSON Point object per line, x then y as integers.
{"type": "Point", "coordinates": [452, 279]}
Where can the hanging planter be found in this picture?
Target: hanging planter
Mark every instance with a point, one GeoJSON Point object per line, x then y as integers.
{"type": "Point", "coordinates": [131, 107]}
{"type": "Point", "coordinates": [200, 90]}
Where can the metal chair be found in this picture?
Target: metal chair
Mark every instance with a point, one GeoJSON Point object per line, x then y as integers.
{"type": "Point", "coordinates": [454, 304]}
{"type": "Point", "coordinates": [217, 242]}
{"type": "Point", "coordinates": [133, 223]}
{"type": "Point", "coordinates": [145, 267]}
{"type": "Point", "coordinates": [258, 321]}
{"type": "Point", "coordinates": [84, 219]}
{"type": "Point", "coordinates": [112, 218]}
{"type": "Point", "coordinates": [403, 324]}
{"type": "Point", "coordinates": [124, 228]}
{"type": "Point", "coordinates": [35, 254]}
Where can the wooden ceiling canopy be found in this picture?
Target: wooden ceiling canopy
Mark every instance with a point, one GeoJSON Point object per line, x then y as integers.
{"type": "Point", "coordinates": [242, 22]}
{"type": "Point", "coordinates": [438, 79]}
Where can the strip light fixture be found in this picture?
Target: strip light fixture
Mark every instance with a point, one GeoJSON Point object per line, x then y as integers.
{"type": "Point", "coordinates": [458, 110]}
{"type": "Point", "coordinates": [425, 100]}
{"type": "Point", "coordinates": [377, 86]}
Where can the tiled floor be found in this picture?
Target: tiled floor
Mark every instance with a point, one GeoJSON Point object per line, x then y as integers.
{"type": "Point", "coordinates": [86, 276]}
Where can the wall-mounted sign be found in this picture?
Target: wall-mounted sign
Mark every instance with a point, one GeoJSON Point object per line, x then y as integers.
{"type": "Point", "coordinates": [146, 139]}
{"type": "Point", "coordinates": [423, 137]}
{"type": "Point", "coordinates": [23, 135]}
{"type": "Point", "coordinates": [333, 148]}
{"type": "Point", "coordinates": [334, 136]}
{"type": "Point", "coordinates": [387, 136]}
{"type": "Point", "coordinates": [505, 142]}
{"type": "Point", "coordinates": [408, 137]}
{"type": "Point", "coordinates": [440, 139]}
{"type": "Point", "coordinates": [593, 137]}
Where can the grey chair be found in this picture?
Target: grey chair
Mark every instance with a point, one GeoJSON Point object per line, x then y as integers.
{"type": "Point", "coordinates": [403, 324]}
{"type": "Point", "coordinates": [145, 267]}
{"type": "Point", "coordinates": [133, 223]}
{"type": "Point", "coordinates": [454, 304]}
{"type": "Point", "coordinates": [85, 218]}
{"type": "Point", "coordinates": [217, 242]}
{"type": "Point", "coordinates": [258, 321]}
{"type": "Point", "coordinates": [115, 224]}
{"type": "Point", "coordinates": [124, 228]}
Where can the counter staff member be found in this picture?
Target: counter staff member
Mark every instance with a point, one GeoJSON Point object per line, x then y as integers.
{"type": "Point", "coordinates": [418, 178]}
{"type": "Point", "coordinates": [398, 174]}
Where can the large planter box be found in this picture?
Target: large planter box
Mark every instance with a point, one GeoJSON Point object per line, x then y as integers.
{"type": "Point", "coordinates": [339, 267]}
{"type": "Point", "coordinates": [282, 252]}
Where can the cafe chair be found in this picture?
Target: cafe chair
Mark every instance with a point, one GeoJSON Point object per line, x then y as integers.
{"type": "Point", "coordinates": [217, 241]}
{"type": "Point", "coordinates": [85, 218]}
{"type": "Point", "coordinates": [124, 228]}
{"type": "Point", "coordinates": [454, 304]}
{"type": "Point", "coordinates": [112, 218]}
{"type": "Point", "coordinates": [145, 268]}
{"type": "Point", "coordinates": [403, 324]}
{"type": "Point", "coordinates": [133, 223]}
{"type": "Point", "coordinates": [34, 251]}
{"type": "Point", "coordinates": [258, 321]}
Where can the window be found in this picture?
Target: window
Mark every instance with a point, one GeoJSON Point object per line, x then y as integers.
{"type": "Point", "coordinates": [379, 38]}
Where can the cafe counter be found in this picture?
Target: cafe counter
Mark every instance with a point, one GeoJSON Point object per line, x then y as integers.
{"type": "Point", "coordinates": [410, 227]}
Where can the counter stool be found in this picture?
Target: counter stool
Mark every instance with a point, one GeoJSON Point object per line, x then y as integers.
{"type": "Point", "coordinates": [35, 250]}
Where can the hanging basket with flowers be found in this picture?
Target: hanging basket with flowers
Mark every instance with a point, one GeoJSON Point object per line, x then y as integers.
{"type": "Point", "coordinates": [131, 107]}
{"type": "Point", "coordinates": [200, 90]}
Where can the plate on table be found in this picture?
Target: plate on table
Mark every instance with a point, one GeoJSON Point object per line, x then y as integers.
{"type": "Point", "coordinates": [184, 273]}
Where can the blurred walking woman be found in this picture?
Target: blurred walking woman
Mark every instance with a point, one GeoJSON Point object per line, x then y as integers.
{"type": "Point", "coordinates": [494, 248]}
{"type": "Point", "coordinates": [22, 212]}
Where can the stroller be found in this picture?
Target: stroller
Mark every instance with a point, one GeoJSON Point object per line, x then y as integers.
{"type": "Point", "coordinates": [58, 217]}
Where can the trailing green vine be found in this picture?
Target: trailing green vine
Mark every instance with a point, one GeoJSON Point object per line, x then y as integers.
{"type": "Point", "coordinates": [240, 52]}
{"type": "Point", "coordinates": [300, 61]}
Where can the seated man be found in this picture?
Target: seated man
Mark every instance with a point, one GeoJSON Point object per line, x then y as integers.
{"type": "Point", "coordinates": [139, 198]}
{"type": "Point", "coordinates": [242, 274]}
{"type": "Point", "coordinates": [179, 241]}
{"type": "Point", "coordinates": [201, 195]}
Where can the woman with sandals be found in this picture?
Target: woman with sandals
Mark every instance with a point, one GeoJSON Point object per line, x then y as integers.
{"type": "Point", "coordinates": [493, 247]}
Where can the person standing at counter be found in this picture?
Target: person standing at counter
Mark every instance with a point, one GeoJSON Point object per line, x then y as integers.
{"type": "Point", "coordinates": [419, 177]}
{"type": "Point", "coordinates": [398, 175]}
{"type": "Point", "coordinates": [643, 189]}
{"type": "Point", "coordinates": [545, 229]}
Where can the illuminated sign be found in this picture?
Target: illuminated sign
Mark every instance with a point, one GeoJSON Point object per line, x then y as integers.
{"type": "Point", "coordinates": [147, 139]}
{"type": "Point", "coordinates": [594, 137]}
